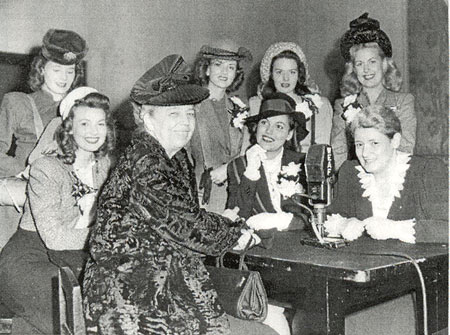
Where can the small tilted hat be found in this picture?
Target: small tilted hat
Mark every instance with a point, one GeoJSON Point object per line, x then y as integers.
{"type": "Point", "coordinates": [63, 47]}
{"type": "Point", "coordinates": [168, 83]}
{"type": "Point", "coordinates": [226, 49]}
{"type": "Point", "coordinates": [70, 99]}
{"type": "Point", "coordinates": [365, 30]}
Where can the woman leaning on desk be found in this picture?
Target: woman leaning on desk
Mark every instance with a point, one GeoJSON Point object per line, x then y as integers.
{"type": "Point", "coordinates": [390, 195]}
{"type": "Point", "coordinates": [60, 206]}
{"type": "Point", "coordinates": [371, 77]}
{"type": "Point", "coordinates": [55, 71]}
{"type": "Point", "coordinates": [261, 182]}
{"type": "Point", "coordinates": [146, 274]}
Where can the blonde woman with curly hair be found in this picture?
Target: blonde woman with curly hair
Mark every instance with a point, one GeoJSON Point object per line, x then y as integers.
{"type": "Point", "coordinates": [371, 77]}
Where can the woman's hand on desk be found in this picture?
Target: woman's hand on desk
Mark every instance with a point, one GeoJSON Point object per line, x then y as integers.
{"type": "Point", "coordinates": [383, 229]}
{"type": "Point", "coordinates": [260, 221]}
{"type": "Point", "coordinates": [232, 214]}
{"type": "Point", "coordinates": [337, 225]}
{"type": "Point", "coordinates": [353, 229]}
{"type": "Point", "coordinates": [247, 235]}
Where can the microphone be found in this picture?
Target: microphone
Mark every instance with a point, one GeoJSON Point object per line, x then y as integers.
{"type": "Point", "coordinates": [319, 166]}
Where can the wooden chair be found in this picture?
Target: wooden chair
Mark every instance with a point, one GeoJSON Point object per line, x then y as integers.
{"type": "Point", "coordinates": [71, 318]}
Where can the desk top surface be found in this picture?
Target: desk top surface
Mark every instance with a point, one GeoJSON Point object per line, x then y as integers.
{"type": "Point", "coordinates": [352, 261]}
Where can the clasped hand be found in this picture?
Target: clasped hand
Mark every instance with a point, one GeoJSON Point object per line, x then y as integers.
{"type": "Point", "coordinates": [255, 155]}
{"type": "Point", "coordinates": [377, 228]}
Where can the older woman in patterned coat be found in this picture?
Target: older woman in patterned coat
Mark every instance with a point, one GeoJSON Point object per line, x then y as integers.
{"type": "Point", "coordinates": [146, 275]}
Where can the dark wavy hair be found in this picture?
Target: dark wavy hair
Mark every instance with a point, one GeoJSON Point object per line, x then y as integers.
{"type": "Point", "coordinates": [36, 77]}
{"type": "Point", "coordinates": [65, 139]}
{"type": "Point", "coordinates": [300, 88]}
{"type": "Point", "coordinates": [200, 78]}
{"type": "Point", "coordinates": [392, 78]}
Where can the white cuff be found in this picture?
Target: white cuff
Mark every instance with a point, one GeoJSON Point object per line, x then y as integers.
{"type": "Point", "coordinates": [251, 174]}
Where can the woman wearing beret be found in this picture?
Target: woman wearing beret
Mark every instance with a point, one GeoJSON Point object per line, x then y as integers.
{"type": "Point", "coordinates": [371, 77]}
{"type": "Point", "coordinates": [146, 275]}
{"type": "Point", "coordinates": [284, 69]}
{"type": "Point", "coordinates": [54, 72]}
{"type": "Point", "coordinates": [388, 194]}
{"type": "Point", "coordinates": [59, 209]}
{"type": "Point", "coordinates": [218, 134]}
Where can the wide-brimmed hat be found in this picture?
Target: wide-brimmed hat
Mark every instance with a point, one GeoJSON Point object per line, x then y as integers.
{"type": "Point", "coordinates": [278, 104]}
{"type": "Point", "coordinates": [63, 46]}
{"type": "Point", "coordinates": [364, 30]}
{"type": "Point", "coordinates": [168, 83]}
{"type": "Point", "coordinates": [69, 100]}
{"type": "Point", "coordinates": [226, 49]}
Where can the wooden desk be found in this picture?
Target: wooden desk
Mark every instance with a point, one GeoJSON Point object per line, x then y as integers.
{"type": "Point", "coordinates": [331, 284]}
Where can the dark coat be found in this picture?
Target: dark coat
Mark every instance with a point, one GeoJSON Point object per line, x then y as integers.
{"type": "Point", "coordinates": [424, 197]}
{"type": "Point", "coordinates": [146, 274]}
{"type": "Point", "coordinates": [253, 197]}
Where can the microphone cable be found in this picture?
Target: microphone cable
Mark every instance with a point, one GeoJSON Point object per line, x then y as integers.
{"type": "Point", "coordinates": [421, 278]}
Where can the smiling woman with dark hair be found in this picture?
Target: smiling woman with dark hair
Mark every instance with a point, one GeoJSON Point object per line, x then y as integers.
{"type": "Point", "coordinates": [218, 135]}
{"type": "Point", "coordinates": [284, 69]}
{"type": "Point", "coordinates": [55, 71]}
{"type": "Point", "coordinates": [60, 207]}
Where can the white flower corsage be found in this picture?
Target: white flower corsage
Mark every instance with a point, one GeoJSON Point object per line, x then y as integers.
{"type": "Point", "coordinates": [351, 107]}
{"type": "Point", "coordinates": [239, 113]}
{"type": "Point", "coordinates": [288, 182]}
{"type": "Point", "coordinates": [310, 104]}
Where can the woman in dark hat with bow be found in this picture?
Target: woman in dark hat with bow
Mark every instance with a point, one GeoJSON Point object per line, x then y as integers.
{"type": "Point", "coordinates": [55, 71]}
{"type": "Point", "coordinates": [371, 77]}
{"type": "Point", "coordinates": [218, 135]}
{"type": "Point", "coordinates": [146, 275]}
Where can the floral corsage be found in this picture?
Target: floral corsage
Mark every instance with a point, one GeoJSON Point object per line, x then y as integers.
{"type": "Point", "coordinates": [351, 107]}
{"type": "Point", "coordinates": [80, 189]}
{"type": "Point", "coordinates": [239, 113]}
{"type": "Point", "coordinates": [288, 182]}
{"type": "Point", "coordinates": [310, 104]}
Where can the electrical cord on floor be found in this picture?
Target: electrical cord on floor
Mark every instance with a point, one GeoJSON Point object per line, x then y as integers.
{"type": "Point", "coordinates": [422, 282]}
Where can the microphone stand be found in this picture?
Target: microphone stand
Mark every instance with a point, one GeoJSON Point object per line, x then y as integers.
{"type": "Point", "coordinates": [318, 215]}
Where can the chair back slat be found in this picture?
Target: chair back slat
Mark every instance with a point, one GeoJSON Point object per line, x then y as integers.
{"type": "Point", "coordinates": [71, 320]}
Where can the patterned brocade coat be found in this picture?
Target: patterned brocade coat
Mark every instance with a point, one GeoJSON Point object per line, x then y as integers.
{"type": "Point", "coordinates": [146, 275]}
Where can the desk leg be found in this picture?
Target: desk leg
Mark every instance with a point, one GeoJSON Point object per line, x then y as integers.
{"type": "Point", "coordinates": [324, 311]}
{"type": "Point", "coordinates": [436, 282]}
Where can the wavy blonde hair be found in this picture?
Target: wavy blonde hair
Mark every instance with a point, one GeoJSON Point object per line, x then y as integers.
{"type": "Point", "coordinates": [392, 78]}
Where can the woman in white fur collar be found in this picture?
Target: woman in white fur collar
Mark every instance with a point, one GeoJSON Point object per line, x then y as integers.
{"type": "Point", "coordinates": [388, 193]}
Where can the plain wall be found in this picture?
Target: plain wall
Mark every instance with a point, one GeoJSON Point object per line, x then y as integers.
{"type": "Point", "coordinates": [128, 37]}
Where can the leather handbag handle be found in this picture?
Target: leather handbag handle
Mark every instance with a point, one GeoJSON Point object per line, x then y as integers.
{"type": "Point", "coordinates": [242, 265]}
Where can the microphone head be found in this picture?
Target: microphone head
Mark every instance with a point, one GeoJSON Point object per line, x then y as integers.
{"type": "Point", "coordinates": [319, 163]}
{"type": "Point", "coordinates": [319, 166]}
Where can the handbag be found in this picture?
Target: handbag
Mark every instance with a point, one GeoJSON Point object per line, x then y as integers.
{"type": "Point", "coordinates": [240, 291]}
